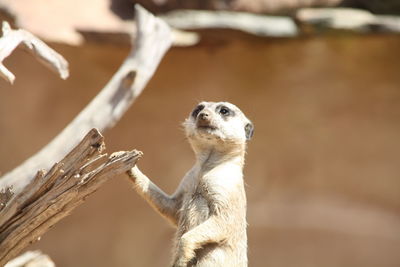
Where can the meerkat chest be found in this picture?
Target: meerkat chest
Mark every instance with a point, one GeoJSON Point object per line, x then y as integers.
{"type": "Point", "coordinates": [195, 208]}
{"type": "Point", "coordinates": [205, 194]}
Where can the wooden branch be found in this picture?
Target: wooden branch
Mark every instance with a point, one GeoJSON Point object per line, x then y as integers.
{"type": "Point", "coordinates": [31, 259]}
{"type": "Point", "coordinates": [386, 23]}
{"type": "Point", "coordinates": [54, 194]}
{"type": "Point", "coordinates": [336, 18]}
{"type": "Point", "coordinates": [349, 19]}
{"type": "Point", "coordinates": [153, 39]}
{"type": "Point", "coordinates": [259, 25]}
{"type": "Point", "coordinates": [11, 40]}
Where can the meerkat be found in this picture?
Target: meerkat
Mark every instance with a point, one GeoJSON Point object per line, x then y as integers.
{"type": "Point", "coordinates": [209, 206]}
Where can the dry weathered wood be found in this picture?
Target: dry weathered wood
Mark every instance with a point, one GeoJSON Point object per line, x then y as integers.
{"type": "Point", "coordinates": [54, 194]}
{"type": "Point", "coordinates": [349, 19]}
{"type": "Point", "coordinates": [31, 259]}
{"type": "Point", "coordinates": [336, 18]}
{"type": "Point", "coordinates": [153, 39]}
{"type": "Point", "coordinates": [11, 40]}
{"type": "Point", "coordinates": [259, 25]}
{"type": "Point", "coordinates": [386, 23]}
{"type": "Point", "coordinates": [5, 196]}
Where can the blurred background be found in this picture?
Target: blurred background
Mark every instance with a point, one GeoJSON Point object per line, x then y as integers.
{"type": "Point", "coordinates": [323, 168]}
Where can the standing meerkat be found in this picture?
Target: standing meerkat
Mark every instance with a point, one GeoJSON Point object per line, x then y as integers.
{"type": "Point", "coordinates": [209, 206]}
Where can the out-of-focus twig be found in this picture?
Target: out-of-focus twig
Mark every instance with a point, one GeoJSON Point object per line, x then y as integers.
{"type": "Point", "coordinates": [349, 19]}
{"type": "Point", "coordinates": [31, 259]}
{"type": "Point", "coordinates": [259, 25]}
{"type": "Point", "coordinates": [11, 39]}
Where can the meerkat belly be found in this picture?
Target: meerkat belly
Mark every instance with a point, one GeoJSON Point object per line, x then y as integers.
{"type": "Point", "coordinates": [194, 211]}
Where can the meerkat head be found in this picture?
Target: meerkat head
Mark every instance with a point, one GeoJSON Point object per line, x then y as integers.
{"type": "Point", "coordinates": [216, 123]}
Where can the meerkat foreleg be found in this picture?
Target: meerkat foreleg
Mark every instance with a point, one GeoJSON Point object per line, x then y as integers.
{"type": "Point", "coordinates": [165, 204]}
{"type": "Point", "coordinates": [212, 230]}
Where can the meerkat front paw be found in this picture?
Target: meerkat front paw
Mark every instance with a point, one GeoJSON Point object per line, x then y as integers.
{"type": "Point", "coordinates": [181, 262]}
{"type": "Point", "coordinates": [185, 253]}
{"type": "Point", "coordinates": [134, 173]}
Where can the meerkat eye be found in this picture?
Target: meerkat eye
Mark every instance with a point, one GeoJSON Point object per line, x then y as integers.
{"type": "Point", "coordinates": [197, 110]}
{"type": "Point", "coordinates": [225, 111]}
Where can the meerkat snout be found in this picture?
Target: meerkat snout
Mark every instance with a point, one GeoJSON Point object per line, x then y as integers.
{"type": "Point", "coordinates": [204, 121]}
{"type": "Point", "coordinates": [203, 116]}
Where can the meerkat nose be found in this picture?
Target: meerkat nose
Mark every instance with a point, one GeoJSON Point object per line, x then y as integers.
{"type": "Point", "coordinates": [203, 116]}
{"type": "Point", "coordinates": [204, 119]}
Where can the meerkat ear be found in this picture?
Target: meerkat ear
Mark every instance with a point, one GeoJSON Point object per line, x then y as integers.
{"type": "Point", "coordinates": [249, 130]}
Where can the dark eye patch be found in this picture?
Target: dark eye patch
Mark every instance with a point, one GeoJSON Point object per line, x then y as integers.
{"type": "Point", "coordinates": [197, 110]}
{"type": "Point", "coordinates": [225, 111]}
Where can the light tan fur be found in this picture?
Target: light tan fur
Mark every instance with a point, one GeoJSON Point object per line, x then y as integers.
{"type": "Point", "coordinates": [209, 206]}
